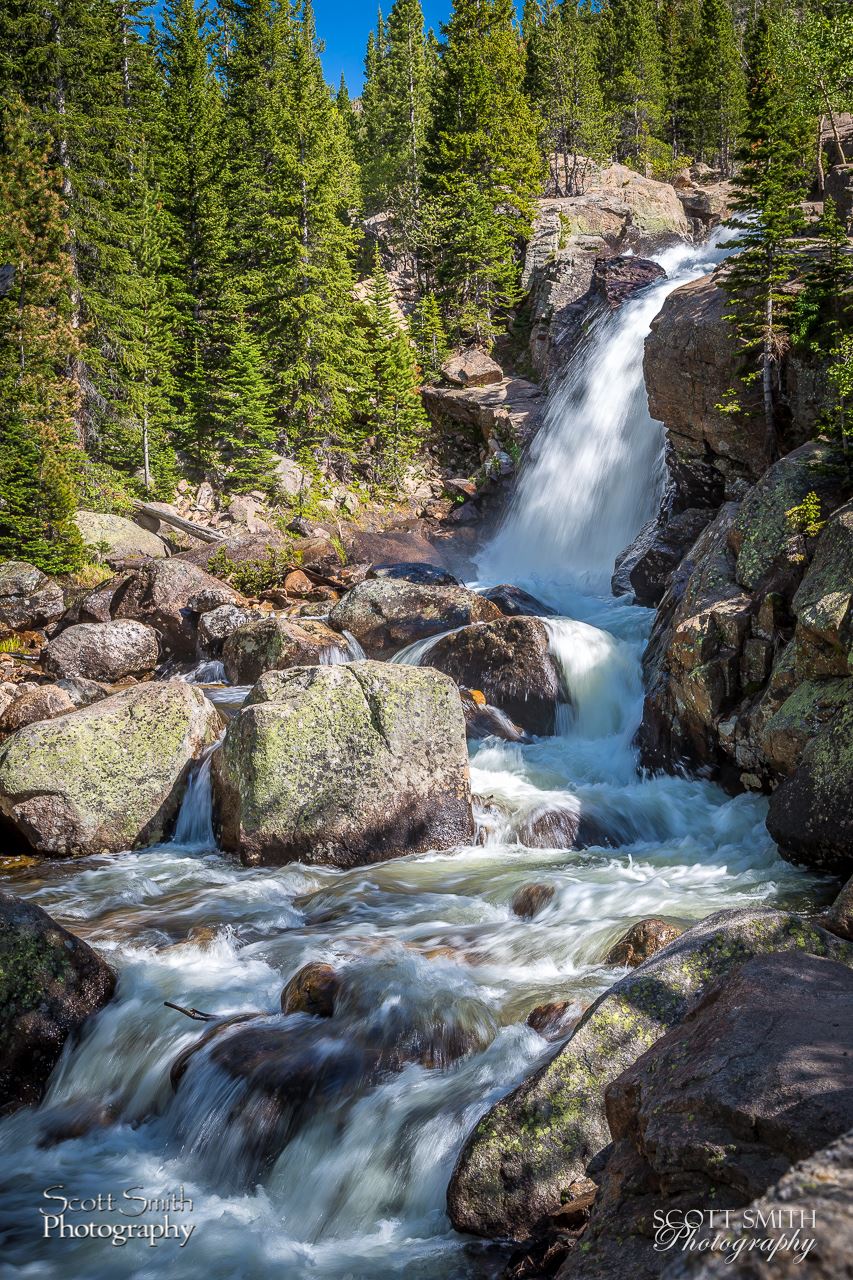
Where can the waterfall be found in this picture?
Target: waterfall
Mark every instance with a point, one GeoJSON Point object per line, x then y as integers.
{"type": "Point", "coordinates": [194, 827]}
{"type": "Point", "coordinates": [595, 470]}
{"type": "Point", "coordinates": [332, 656]}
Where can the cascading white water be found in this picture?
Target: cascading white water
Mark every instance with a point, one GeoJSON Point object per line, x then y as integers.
{"type": "Point", "coordinates": [596, 465]}
{"type": "Point", "coordinates": [194, 827]}
{"type": "Point", "coordinates": [435, 963]}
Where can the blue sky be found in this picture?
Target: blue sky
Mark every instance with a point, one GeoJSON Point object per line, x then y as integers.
{"type": "Point", "coordinates": [344, 25]}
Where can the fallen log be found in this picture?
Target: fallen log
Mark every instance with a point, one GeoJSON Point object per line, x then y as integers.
{"type": "Point", "coordinates": [200, 531]}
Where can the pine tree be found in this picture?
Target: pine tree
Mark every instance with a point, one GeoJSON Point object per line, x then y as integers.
{"type": "Point", "coordinates": [483, 167]}
{"type": "Point", "coordinates": [241, 415]}
{"type": "Point", "coordinates": [632, 72]}
{"type": "Point", "coordinates": [577, 127]}
{"type": "Point", "coordinates": [407, 92]}
{"type": "Point", "coordinates": [770, 184]}
{"type": "Point", "coordinates": [39, 455]}
{"type": "Point", "coordinates": [194, 191]}
{"type": "Point", "coordinates": [374, 128]}
{"type": "Point", "coordinates": [393, 416]}
{"type": "Point", "coordinates": [429, 336]}
{"type": "Point", "coordinates": [716, 87]}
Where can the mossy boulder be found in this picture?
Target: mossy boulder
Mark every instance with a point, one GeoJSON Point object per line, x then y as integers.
{"type": "Point", "coordinates": [802, 715]}
{"type": "Point", "coordinates": [272, 644]}
{"type": "Point", "coordinates": [50, 983]}
{"type": "Point", "coordinates": [386, 614]}
{"type": "Point", "coordinates": [109, 776]}
{"type": "Point", "coordinates": [118, 538]}
{"type": "Point", "coordinates": [344, 765]}
{"type": "Point", "coordinates": [522, 1157]}
{"type": "Point", "coordinates": [811, 812]}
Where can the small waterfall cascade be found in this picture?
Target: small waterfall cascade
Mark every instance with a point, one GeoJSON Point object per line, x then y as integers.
{"type": "Point", "coordinates": [194, 826]}
{"type": "Point", "coordinates": [595, 470]}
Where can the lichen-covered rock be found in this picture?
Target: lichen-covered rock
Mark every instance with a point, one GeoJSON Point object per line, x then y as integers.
{"type": "Point", "coordinates": [823, 603]}
{"type": "Point", "coordinates": [28, 598]}
{"type": "Point", "coordinates": [717, 1110]}
{"type": "Point", "coordinates": [105, 651]}
{"type": "Point", "coordinates": [816, 1192]}
{"type": "Point", "coordinates": [107, 777]}
{"type": "Point", "coordinates": [811, 812]}
{"type": "Point", "coordinates": [44, 703]}
{"type": "Point", "coordinates": [643, 939]}
{"type": "Point", "coordinates": [170, 595]}
{"type": "Point", "coordinates": [510, 661]}
{"type": "Point", "coordinates": [386, 614]}
{"type": "Point", "coordinates": [117, 538]}
{"type": "Point", "coordinates": [215, 627]}
{"type": "Point", "coordinates": [271, 644]}
{"type": "Point", "coordinates": [50, 983]}
{"type": "Point", "coordinates": [520, 1160]}
{"type": "Point", "coordinates": [345, 765]}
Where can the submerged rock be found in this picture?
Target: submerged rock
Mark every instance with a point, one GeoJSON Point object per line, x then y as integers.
{"type": "Point", "coordinates": [555, 1019]}
{"type": "Point", "coordinates": [643, 939]}
{"type": "Point", "coordinates": [107, 777]}
{"type": "Point", "coordinates": [514, 602]}
{"type": "Point", "coordinates": [530, 899]}
{"type": "Point", "coordinates": [28, 598]}
{"type": "Point", "coordinates": [50, 983]}
{"type": "Point", "coordinates": [524, 1154]}
{"type": "Point", "coordinates": [564, 826]}
{"type": "Point", "coordinates": [386, 614]}
{"type": "Point", "coordinates": [272, 644]}
{"type": "Point", "coordinates": [511, 662]}
{"type": "Point", "coordinates": [722, 1105]}
{"type": "Point", "coordinates": [312, 989]}
{"type": "Point", "coordinates": [104, 651]}
{"type": "Point", "coordinates": [344, 765]}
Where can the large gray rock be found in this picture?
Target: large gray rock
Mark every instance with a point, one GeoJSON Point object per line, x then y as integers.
{"type": "Point", "coordinates": [107, 651]}
{"type": "Point", "coordinates": [215, 627]}
{"type": "Point", "coordinates": [344, 765]}
{"type": "Point", "coordinates": [718, 1109]}
{"type": "Point", "coordinates": [386, 614]}
{"type": "Point", "coordinates": [271, 644]}
{"type": "Point", "coordinates": [117, 538]}
{"type": "Point", "coordinates": [28, 598]}
{"type": "Point", "coordinates": [50, 983]}
{"type": "Point", "coordinates": [511, 663]}
{"type": "Point", "coordinates": [109, 776]}
{"type": "Point", "coordinates": [170, 595]}
{"type": "Point", "coordinates": [471, 368]}
{"type": "Point", "coordinates": [523, 1156]}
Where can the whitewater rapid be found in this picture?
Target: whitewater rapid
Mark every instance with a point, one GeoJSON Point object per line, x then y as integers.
{"type": "Point", "coordinates": [431, 947]}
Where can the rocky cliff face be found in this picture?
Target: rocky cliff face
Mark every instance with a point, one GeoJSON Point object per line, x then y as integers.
{"type": "Point", "coordinates": [748, 668]}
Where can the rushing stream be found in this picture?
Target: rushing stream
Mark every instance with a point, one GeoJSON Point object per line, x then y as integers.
{"type": "Point", "coordinates": [438, 966]}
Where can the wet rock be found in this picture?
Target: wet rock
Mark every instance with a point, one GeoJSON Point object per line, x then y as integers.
{"type": "Point", "coordinates": [555, 1019]}
{"type": "Point", "coordinates": [526, 1151]}
{"type": "Point", "coordinates": [564, 827]}
{"type": "Point", "coordinates": [722, 1105]}
{"type": "Point", "coordinates": [215, 627]}
{"type": "Point", "coordinates": [413, 571]}
{"type": "Point", "coordinates": [510, 661]}
{"type": "Point", "coordinates": [169, 595]}
{"type": "Point", "coordinates": [646, 566]}
{"type": "Point", "coordinates": [312, 990]}
{"type": "Point", "coordinates": [471, 368]}
{"type": "Point", "coordinates": [483, 721]}
{"type": "Point", "coordinates": [514, 602]}
{"type": "Point", "coordinates": [272, 644]}
{"type": "Point", "coordinates": [107, 777]}
{"type": "Point", "coordinates": [343, 765]}
{"type": "Point", "coordinates": [116, 538]}
{"type": "Point", "coordinates": [386, 614]}
{"type": "Point", "coordinates": [614, 279]}
{"type": "Point", "coordinates": [50, 983]}
{"type": "Point", "coordinates": [28, 598]}
{"type": "Point", "coordinates": [642, 940]}
{"type": "Point", "coordinates": [44, 703]}
{"type": "Point", "coordinates": [817, 1190]}
{"type": "Point", "coordinates": [531, 899]}
{"type": "Point", "coordinates": [105, 651]}
{"type": "Point", "coordinates": [811, 812]}
{"type": "Point", "coordinates": [838, 918]}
